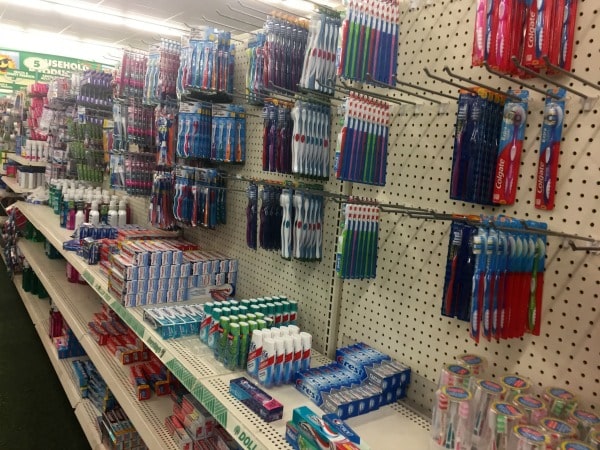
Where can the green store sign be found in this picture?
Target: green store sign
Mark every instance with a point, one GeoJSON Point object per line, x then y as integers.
{"type": "Point", "coordinates": [21, 69]}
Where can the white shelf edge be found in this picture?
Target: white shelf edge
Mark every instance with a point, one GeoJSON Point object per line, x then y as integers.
{"type": "Point", "coordinates": [14, 186]}
{"type": "Point", "coordinates": [24, 161]}
{"type": "Point", "coordinates": [209, 389]}
{"type": "Point", "coordinates": [86, 413]}
{"type": "Point", "coordinates": [62, 292]}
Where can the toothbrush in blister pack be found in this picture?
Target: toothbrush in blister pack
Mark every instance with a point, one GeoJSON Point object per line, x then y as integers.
{"type": "Point", "coordinates": [510, 148]}
{"type": "Point", "coordinates": [547, 172]}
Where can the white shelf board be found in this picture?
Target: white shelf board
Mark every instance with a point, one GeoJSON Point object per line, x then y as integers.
{"type": "Point", "coordinates": [24, 161]}
{"type": "Point", "coordinates": [194, 365]}
{"type": "Point", "coordinates": [12, 183]}
{"type": "Point", "coordinates": [77, 303]}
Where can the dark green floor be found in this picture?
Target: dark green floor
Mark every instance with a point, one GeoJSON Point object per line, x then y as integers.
{"type": "Point", "coordinates": [35, 413]}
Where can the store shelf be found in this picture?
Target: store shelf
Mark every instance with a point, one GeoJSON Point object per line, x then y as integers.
{"type": "Point", "coordinates": [24, 161]}
{"type": "Point", "coordinates": [12, 183]}
{"type": "Point", "coordinates": [194, 365]}
{"type": "Point", "coordinates": [77, 303]}
{"type": "Point", "coordinates": [38, 310]}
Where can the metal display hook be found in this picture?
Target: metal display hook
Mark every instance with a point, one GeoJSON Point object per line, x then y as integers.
{"type": "Point", "coordinates": [449, 82]}
{"type": "Point", "coordinates": [570, 74]}
{"type": "Point", "coordinates": [224, 25]}
{"type": "Point", "coordinates": [431, 91]}
{"type": "Point", "coordinates": [371, 80]}
{"type": "Point", "coordinates": [260, 19]}
{"type": "Point", "coordinates": [525, 85]}
{"type": "Point", "coordinates": [384, 98]}
{"type": "Point", "coordinates": [292, 94]}
{"type": "Point", "coordinates": [477, 83]}
{"type": "Point", "coordinates": [588, 102]}
{"type": "Point", "coordinates": [272, 6]}
{"type": "Point", "coordinates": [595, 247]}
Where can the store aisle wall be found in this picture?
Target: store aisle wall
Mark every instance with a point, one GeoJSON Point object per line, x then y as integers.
{"type": "Point", "coordinates": [34, 410]}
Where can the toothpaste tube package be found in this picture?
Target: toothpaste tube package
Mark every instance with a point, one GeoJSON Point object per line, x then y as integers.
{"type": "Point", "coordinates": [268, 408]}
{"type": "Point", "coordinates": [512, 135]}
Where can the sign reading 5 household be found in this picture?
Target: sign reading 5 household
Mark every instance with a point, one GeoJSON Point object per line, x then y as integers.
{"type": "Point", "coordinates": [20, 69]}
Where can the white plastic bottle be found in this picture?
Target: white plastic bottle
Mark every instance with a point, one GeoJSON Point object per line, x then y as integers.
{"type": "Point", "coordinates": [267, 363]}
{"type": "Point", "coordinates": [113, 218]}
{"type": "Point", "coordinates": [94, 214]}
{"type": "Point", "coordinates": [122, 214]}
{"type": "Point", "coordinates": [79, 215]}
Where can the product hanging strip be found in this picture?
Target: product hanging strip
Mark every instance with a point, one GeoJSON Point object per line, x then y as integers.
{"type": "Point", "coordinates": [356, 256]}
{"type": "Point", "coordinates": [495, 278]}
{"type": "Point", "coordinates": [361, 153]}
{"type": "Point", "coordinates": [160, 213]}
{"type": "Point", "coordinates": [370, 41]}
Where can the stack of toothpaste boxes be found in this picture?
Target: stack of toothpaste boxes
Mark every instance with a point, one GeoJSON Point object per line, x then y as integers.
{"type": "Point", "coordinates": [147, 272]}
{"type": "Point", "coordinates": [361, 380]}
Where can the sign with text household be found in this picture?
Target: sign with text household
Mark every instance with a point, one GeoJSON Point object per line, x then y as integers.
{"type": "Point", "coordinates": [21, 69]}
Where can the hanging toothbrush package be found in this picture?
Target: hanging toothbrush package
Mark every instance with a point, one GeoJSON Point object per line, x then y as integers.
{"type": "Point", "coordinates": [318, 71]}
{"type": "Point", "coordinates": [301, 225]}
{"type": "Point", "coordinates": [195, 129]}
{"type": "Point", "coordinates": [529, 29]}
{"type": "Point", "coordinates": [494, 278]}
{"type": "Point", "coordinates": [475, 154]}
{"type": "Point", "coordinates": [132, 74]}
{"type": "Point", "coordinates": [310, 143]}
{"type": "Point", "coordinates": [251, 215]}
{"type": "Point", "coordinates": [199, 197]}
{"type": "Point", "coordinates": [207, 62]}
{"type": "Point", "coordinates": [277, 136]}
{"type": "Point", "coordinates": [271, 215]}
{"type": "Point", "coordinates": [161, 73]}
{"type": "Point", "coordinates": [361, 153]}
{"type": "Point", "coordinates": [512, 135]}
{"type": "Point", "coordinates": [356, 256]}
{"type": "Point", "coordinates": [166, 135]}
{"type": "Point", "coordinates": [228, 139]}
{"type": "Point", "coordinates": [547, 173]}
{"type": "Point", "coordinates": [284, 51]}
{"type": "Point", "coordinates": [255, 87]}
{"type": "Point", "coordinates": [370, 41]}
{"type": "Point", "coordinates": [538, 32]}
{"type": "Point", "coordinates": [160, 212]}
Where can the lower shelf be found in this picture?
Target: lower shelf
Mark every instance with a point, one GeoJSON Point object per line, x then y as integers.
{"type": "Point", "coordinates": [12, 183]}
{"type": "Point", "coordinates": [85, 412]}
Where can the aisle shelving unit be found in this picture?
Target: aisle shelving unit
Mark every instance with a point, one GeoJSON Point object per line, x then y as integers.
{"type": "Point", "coordinates": [192, 362]}
{"type": "Point", "coordinates": [77, 303]}
{"type": "Point", "coordinates": [85, 411]}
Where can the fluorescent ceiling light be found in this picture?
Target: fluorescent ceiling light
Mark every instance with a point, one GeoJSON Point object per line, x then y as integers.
{"type": "Point", "coordinates": [95, 13]}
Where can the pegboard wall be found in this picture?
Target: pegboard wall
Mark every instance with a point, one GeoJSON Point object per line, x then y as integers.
{"type": "Point", "coordinates": [399, 311]}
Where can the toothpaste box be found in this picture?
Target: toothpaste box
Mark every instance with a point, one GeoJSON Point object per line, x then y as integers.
{"type": "Point", "coordinates": [267, 408]}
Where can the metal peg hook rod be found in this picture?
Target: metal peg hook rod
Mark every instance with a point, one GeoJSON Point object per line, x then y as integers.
{"type": "Point", "coordinates": [273, 7]}
{"type": "Point", "coordinates": [404, 91]}
{"type": "Point", "coordinates": [595, 247]}
{"type": "Point", "coordinates": [516, 62]}
{"type": "Point", "coordinates": [294, 94]}
{"type": "Point", "coordinates": [421, 88]}
{"type": "Point", "coordinates": [260, 19]}
{"type": "Point", "coordinates": [449, 82]}
{"type": "Point", "coordinates": [570, 74]}
{"type": "Point", "coordinates": [226, 26]}
{"type": "Point", "coordinates": [520, 82]}
{"type": "Point", "coordinates": [477, 83]}
{"type": "Point", "coordinates": [384, 98]}
{"type": "Point", "coordinates": [576, 237]}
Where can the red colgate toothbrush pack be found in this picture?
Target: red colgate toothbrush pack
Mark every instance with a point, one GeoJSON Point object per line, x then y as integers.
{"type": "Point", "coordinates": [538, 32]}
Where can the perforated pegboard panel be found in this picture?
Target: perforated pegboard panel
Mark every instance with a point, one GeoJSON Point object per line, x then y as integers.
{"type": "Point", "coordinates": [399, 312]}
